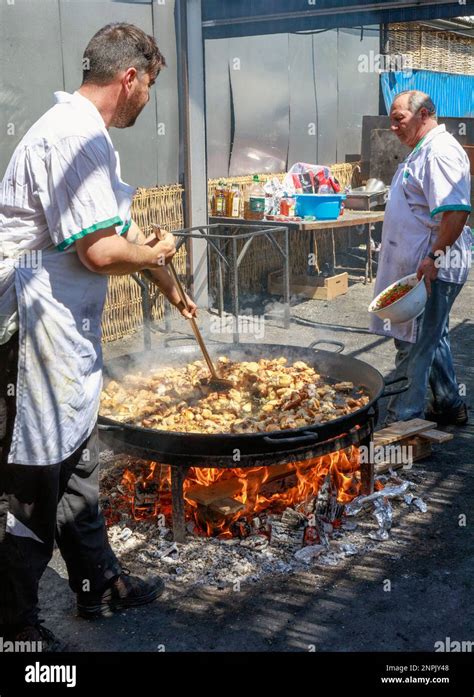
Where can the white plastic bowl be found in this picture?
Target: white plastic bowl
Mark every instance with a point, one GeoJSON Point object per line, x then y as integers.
{"type": "Point", "coordinates": [406, 308]}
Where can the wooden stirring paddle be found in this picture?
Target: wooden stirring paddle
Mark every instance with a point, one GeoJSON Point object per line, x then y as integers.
{"type": "Point", "coordinates": [215, 382]}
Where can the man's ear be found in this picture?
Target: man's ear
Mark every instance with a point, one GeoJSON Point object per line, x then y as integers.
{"type": "Point", "coordinates": [424, 113]}
{"type": "Point", "coordinates": [129, 78]}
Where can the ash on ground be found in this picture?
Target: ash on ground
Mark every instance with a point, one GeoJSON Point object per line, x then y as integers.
{"type": "Point", "coordinates": [287, 543]}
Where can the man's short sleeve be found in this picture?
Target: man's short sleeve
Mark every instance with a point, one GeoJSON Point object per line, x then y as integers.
{"type": "Point", "coordinates": [77, 195]}
{"type": "Point", "coordinates": [446, 182]}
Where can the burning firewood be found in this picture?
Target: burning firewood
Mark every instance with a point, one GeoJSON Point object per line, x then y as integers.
{"type": "Point", "coordinates": [226, 507]}
{"type": "Point", "coordinates": [292, 519]}
{"type": "Point", "coordinates": [241, 528]}
{"type": "Point", "coordinates": [217, 499]}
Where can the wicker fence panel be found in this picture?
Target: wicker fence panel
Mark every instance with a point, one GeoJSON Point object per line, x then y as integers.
{"type": "Point", "coordinates": [429, 49]}
{"type": "Point", "coordinates": [346, 173]}
{"type": "Point", "coordinates": [162, 205]}
{"type": "Point", "coordinates": [123, 309]}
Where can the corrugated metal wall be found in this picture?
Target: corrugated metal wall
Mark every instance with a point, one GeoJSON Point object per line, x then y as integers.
{"type": "Point", "coordinates": [278, 99]}
{"type": "Point", "coordinates": [453, 95]}
{"type": "Point", "coordinates": [41, 47]}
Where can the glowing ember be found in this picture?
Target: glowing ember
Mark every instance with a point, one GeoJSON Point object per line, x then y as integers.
{"type": "Point", "coordinates": [221, 501]}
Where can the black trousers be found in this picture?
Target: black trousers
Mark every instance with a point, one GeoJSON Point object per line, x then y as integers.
{"type": "Point", "coordinates": [55, 502]}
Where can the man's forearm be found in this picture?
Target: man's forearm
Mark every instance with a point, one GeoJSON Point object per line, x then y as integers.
{"type": "Point", "coordinates": [105, 252]}
{"type": "Point", "coordinates": [159, 276]}
{"type": "Point", "coordinates": [126, 258]}
{"type": "Point", "coordinates": [452, 224]}
{"type": "Point", "coordinates": [165, 283]}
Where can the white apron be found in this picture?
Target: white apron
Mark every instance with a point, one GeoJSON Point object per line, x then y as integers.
{"type": "Point", "coordinates": [58, 308]}
{"type": "Point", "coordinates": [8, 305]}
{"type": "Point", "coordinates": [60, 358]}
{"type": "Point", "coordinates": [405, 242]}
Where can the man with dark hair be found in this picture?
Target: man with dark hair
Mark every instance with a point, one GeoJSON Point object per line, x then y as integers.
{"type": "Point", "coordinates": [116, 47]}
{"type": "Point", "coordinates": [65, 225]}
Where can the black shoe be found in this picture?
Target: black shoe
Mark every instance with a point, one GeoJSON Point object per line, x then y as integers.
{"type": "Point", "coordinates": [456, 417]}
{"type": "Point", "coordinates": [36, 638]}
{"type": "Point", "coordinates": [124, 591]}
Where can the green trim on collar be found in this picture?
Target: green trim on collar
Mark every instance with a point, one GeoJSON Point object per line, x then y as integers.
{"type": "Point", "coordinates": [453, 207]}
{"type": "Point", "coordinates": [93, 228]}
{"type": "Point", "coordinates": [419, 144]}
{"type": "Point", "coordinates": [126, 227]}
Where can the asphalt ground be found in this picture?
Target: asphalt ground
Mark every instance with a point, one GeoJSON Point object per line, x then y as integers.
{"type": "Point", "coordinates": [428, 560]}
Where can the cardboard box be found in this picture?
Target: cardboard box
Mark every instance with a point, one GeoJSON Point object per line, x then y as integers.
{"type": "Point", "coordinates": [312, 287]}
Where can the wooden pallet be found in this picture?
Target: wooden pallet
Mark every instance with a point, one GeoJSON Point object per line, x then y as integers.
{"type": "Point", "coordinates": [417, 434]}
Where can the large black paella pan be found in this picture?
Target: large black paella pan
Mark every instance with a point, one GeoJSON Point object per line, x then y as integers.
{"type": "Point", "coordinates": [209, 450]}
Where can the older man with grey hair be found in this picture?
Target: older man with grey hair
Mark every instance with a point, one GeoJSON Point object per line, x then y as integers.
{"type": "Point", "coordinates": [425, 232]}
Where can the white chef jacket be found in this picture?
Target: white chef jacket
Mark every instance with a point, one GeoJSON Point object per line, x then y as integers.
{"type": "Point", "coordinates": [62, 183]}
{"type": "Point", "coordinates": [434, 178]}
{"type": "Point", "coordinates": [437, 179]}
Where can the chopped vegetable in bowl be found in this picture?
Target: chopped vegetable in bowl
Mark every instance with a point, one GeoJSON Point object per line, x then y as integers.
{"type": "Point", "coordinates": [392, 295]}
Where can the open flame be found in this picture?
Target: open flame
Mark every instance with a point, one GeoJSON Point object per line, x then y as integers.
{"type": "Point", "coordinates": [218, 500]}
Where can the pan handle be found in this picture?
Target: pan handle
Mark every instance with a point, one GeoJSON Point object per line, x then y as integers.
{"type": "Point", "coordinates": [307, 437]}
{"type": "Point", "coordinates": [110, 427]}
{"type": "Point", "coordinates": [328, 341]}
{"type": "Point", "coordinates": [399, 390]}
{"type": "Point", "coordinates": [187, 338]}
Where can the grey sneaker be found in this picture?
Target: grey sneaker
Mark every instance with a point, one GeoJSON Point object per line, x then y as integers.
{"type": "Point", "coordinates": [123, 592]}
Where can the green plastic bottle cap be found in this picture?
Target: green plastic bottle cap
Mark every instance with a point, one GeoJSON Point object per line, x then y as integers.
{"type": "Point", "coordinates": [255, 178]}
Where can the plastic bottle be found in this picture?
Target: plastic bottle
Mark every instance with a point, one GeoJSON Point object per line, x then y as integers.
{"type": "Point", "coordinates": [220, 200]}
{"type": "Point", "coordinates": [287, 206]}
{"type": "Point", "coordinates": [234, 202]}
{"type": "Point", "coordinates": [255, 201]}
{"type": "Point", "coordinates": [284, 206]}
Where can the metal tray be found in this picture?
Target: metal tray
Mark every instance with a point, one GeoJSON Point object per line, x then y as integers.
{"type": "Point", "coordinates": [361, 200]}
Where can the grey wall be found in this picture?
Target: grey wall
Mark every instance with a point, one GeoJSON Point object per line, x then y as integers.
{"type": "Point", "coordinates": [41, 47]}
{"type": "Point", "coordinates": [30, 68]}
{"type": "Point", "coordinates": [287, 98]}
{"type": "Point", "coordinates": [271, 100]}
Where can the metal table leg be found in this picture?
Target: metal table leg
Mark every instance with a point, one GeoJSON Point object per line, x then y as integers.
{"type": "Point", "coordinates": [286, 280]}
{"type": "Point", "coordinates": [146, 309]}
{"type": "Point", "coordinates": [368, 256]}
{"type": "Point", "coordinates": [371, 275]}
{"type": "Point", "coordinates": [333, 244]}
{"type": "Point", "coordinates": [220, 277]}
{"type": "Point", "coordinates": [235, 292]}
{"type": "Point", "coordinates": [167, 315]}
